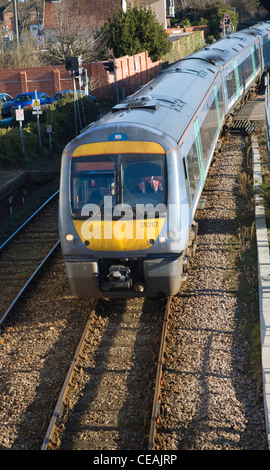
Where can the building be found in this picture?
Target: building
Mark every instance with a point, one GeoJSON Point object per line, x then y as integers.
{"type": "Point", "coordinates": [48, 13]}
{"type": "Point", "coordinates": [6, 15]}
{"type": "Point", "coordinates": [163, 9]}
{"type": "Point", "coordinates": [28, 14]}
{"type": "Point", "coordinates": [97, 11]}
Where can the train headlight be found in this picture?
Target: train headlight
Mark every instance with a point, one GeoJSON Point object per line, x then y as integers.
{"type": "Point", "coordinates": [69, 237]}
{"type": "Point", "coordinates": [162, 239]}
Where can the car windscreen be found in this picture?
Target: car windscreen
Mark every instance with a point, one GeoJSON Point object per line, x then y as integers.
{"type": "Point", "coordinates": [24, 98]}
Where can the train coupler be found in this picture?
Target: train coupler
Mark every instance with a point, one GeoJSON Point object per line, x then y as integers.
{"type": "Point", "coordinates": [119, 277]}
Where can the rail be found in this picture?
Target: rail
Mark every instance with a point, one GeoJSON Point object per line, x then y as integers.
{"type": "Point", "coordinates": [27, 283]}
{"type": "Point", "coordinates": [110, 423]}
{"type": "Point", "coordinates": [46, 257]}
{"type": "Point", "coordinates": [156, 402]}
{"type": "Point", "coordinates": [61, 400]}
{"type": "Point", "coordinates": [28, 220]}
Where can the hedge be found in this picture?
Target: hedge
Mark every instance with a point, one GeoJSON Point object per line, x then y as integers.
{"type": "Point", "coordinates": [60, 115]}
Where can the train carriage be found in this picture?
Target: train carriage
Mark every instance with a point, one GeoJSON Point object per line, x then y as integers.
{"type": "Point", "coordinates": [131, 182]}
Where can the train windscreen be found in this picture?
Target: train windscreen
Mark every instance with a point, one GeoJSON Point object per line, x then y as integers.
{"type": "Point", "coordinates": [133, 180]}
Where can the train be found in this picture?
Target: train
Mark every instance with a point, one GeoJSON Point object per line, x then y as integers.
{"type": "Point", "coordinates": [131, 182]}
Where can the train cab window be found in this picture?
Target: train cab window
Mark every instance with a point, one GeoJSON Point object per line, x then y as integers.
{"type": "Point", "coordinates": [143, 180]}
{"type": "Point", "coordinates": [127, 178]}
{"type": "Point", "coordinates": [92, 180]}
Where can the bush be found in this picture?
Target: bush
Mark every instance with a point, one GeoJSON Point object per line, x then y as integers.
{"type": "Point", "coordinates": [185, 23]}
{"type": "Point", "coordinates": [200, 22]}
{"type": "Point", "coordinates": [60, 115]}
{"type": "Point", "coordinates": [10, 148]}
{"type": "Point", "coordinates": [136, 30]}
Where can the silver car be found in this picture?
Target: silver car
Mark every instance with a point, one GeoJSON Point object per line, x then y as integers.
{"type": "Point", "coordinates": [7, 102]}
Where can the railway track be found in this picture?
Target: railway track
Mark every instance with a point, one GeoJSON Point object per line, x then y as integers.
{"type": "Point", "coordinates": [104, 412]}
{"type": "Point", "coordinates": [24, 252]}
{"type": "Point", "coordinates": [114, 378]}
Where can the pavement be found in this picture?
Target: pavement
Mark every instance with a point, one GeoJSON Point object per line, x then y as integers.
{"type": "Point", "coordinates": [255, 111]}
{"type": "Point", "coordinates": [10, 179]}
{"type": "Point", "coordinates": [263, 280]}
{"type": "Point", "coordinates": [252, 111]}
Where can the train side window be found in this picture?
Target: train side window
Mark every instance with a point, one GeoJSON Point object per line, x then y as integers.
{"type": "Point", "coordinates": [257, 57]}
{"type": "Point", "coordinates": [193, 169]}
{"type": "Point", "coordinates": [230, 84]}
{"type": "Point", "coordinates": [186, 182]}
{"type": "Point", "coordinates": [266, 50]}
{"type": "Point", "coordinates": [209, 129]}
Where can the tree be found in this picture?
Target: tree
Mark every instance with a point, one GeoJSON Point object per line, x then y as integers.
{"type": "Point", "coordinates": [134, 31]}
{"type": "Point", "coordinates": [22, 55]}
{"type": "Point", "coordinates": [216, 12]}
{"type": "Point", "coordinates": [67, 38]}
{"type": "Point", "coordinates": [212, 11]}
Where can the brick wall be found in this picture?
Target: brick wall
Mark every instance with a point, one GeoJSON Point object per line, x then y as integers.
{"type": "Point", "coordinates": [189, 29]}
{"type": "Point", "coordinates": [131, 73]}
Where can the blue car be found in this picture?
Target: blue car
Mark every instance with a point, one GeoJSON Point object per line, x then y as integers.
{"type": "Point", "coordinates": [7, 102]}
{"type": "Point", "coordinates": [25, 99]}
{"type": "Point", "coordinates": [80, 93]}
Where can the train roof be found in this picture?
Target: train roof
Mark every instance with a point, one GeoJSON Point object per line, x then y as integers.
{"type": "Point", "coordinates": [169, 102]}
{"type": "Point", "coordinates": [227, 49]}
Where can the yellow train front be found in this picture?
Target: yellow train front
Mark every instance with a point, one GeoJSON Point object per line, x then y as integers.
{"type": "Point", "coordinates": [114, 224]}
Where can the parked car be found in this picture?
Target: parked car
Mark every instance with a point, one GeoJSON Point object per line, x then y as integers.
{"type": "Point", "coordinates": [25, 99]}
{"type": "Point", "coordinates": [81, 93]}
{"type": "Point", "coordinates": [7, 102]}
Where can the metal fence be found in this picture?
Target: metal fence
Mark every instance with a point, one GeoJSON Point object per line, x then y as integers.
{"type": "Point", "coordinates": [267, 115]}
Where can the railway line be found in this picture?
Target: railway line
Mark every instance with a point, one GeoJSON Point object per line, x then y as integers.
{"type": "Point", "coordinates": [205, 360]}
{"type": "Point", "coordinates": [207, 399]}
{"type": "Point", "coordinates": [212, 398]}
{"type": "Point", "coordinates": [106, 399]}
{"type": "Point", "coordinates": [25, 251]}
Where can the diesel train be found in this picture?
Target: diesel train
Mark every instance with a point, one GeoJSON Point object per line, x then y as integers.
{"type": "Point", "coordinates": [131, 182]}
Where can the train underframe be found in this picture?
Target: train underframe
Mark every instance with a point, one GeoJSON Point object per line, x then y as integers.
{"type": "Point", "coordinates": [131, 276]}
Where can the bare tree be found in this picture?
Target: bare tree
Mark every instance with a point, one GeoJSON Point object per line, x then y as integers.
{"type": "Point", "coordinates": [24, 54]}
{"type": "Point", "coordinates": [73, 34]}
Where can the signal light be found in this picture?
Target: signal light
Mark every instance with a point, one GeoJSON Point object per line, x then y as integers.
{"type": "Point", "coordinates": [73, 64]}
{"type": "Point", "coordinates": [109, 66]}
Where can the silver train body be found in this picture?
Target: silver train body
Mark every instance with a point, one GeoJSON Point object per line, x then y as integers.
{"type": "Point", "coordinates": [131, 182]}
